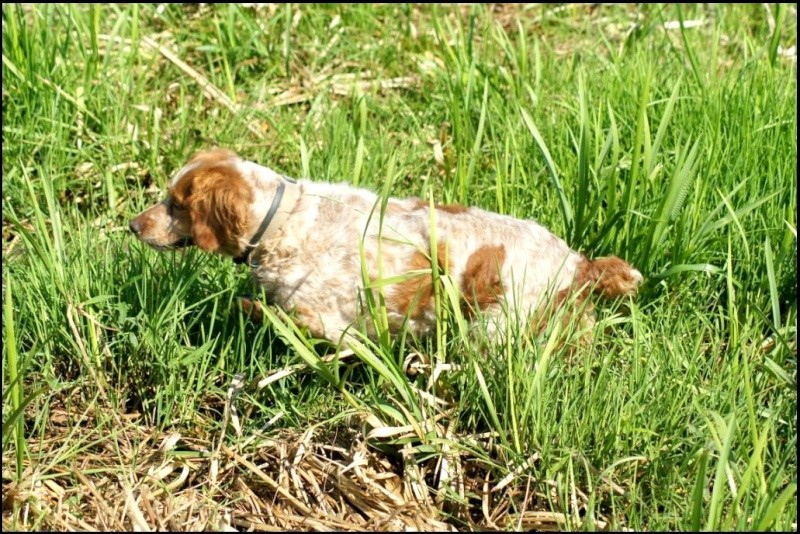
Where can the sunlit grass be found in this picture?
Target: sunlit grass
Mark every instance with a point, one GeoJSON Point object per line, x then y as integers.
{"type": "Point", "coordinates": [628, 132]}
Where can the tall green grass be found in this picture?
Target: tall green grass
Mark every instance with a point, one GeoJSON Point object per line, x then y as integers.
{"type": "Point", "coordinates": [673, 148]}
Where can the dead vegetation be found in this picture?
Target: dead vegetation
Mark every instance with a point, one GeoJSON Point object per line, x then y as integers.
{"type": "Point", "coordinates": [89, 474]}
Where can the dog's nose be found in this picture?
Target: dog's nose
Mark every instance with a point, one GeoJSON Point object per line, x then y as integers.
{"type": "Point", "coordinates": [135, 226]}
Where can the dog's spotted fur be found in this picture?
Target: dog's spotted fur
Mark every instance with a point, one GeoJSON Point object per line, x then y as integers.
{"type": "Point", "coordinates": [311, 264]}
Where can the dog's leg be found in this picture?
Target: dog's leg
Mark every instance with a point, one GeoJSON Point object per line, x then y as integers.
{"type": "Point", "coordinates": [574, 320]}
{"type": "Point", "coordinates": [252, 309]}
{"type": "Point", "coordinates": [323, 326]}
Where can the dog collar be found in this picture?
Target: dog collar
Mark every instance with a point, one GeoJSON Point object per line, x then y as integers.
{"type": "Point", "coordinates": [282, 204]}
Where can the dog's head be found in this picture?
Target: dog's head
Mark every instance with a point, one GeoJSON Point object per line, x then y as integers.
{"type": "Point", "coordinates": [208, 205]}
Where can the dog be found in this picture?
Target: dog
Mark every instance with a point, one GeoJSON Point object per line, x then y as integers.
{"type": "Point", "coordinates": [318, 248]}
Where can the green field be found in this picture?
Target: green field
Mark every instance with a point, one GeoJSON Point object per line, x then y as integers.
{"type": "Point", "coordinates": [665, 135]}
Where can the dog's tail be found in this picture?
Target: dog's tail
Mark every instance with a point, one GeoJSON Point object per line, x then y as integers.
{"type": "Point", "coordinates": [608, 277]}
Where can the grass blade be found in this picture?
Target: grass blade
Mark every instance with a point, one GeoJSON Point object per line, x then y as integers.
{"type": "Point", "coordinates": [17, 404]}
{"type": "Point", "coordinates": [690, 50]}
{"type": "Point", "coordinates": [639, 142]}
{"type": "Point", "coordinates": [476, 148]}
{"type": "Point", "coordinates": [698, 493]}
{"type": "Point", "coordinates": [773, 285]}
{"type": "Point", "coordinates": [564, 205]}
{"type": "Point", "coordinates": [671, 203]}
{"type": "Point", "coordinates": [776, 507]}
{"type": "Point", "coordinates": [726, 432]}
{"type": "Point", "coordinates": [662, 126]}
{"type": "Point", "coordinates": [734, 216]}
{"type": "Point", "coordinates": [583, 193]}
{"type": "Point", "coordinates": [776, 35]}
{"type": "Point", "coordinates": [14, 420]}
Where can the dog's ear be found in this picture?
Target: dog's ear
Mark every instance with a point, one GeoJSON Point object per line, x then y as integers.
{"type": "Point", "coordinates": [204, 236]}
{"type": "Point", "coordinates": [219, 205]}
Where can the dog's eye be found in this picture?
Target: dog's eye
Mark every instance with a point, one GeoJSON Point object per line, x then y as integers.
{"type": "Point", "coordinates": [175, 208]}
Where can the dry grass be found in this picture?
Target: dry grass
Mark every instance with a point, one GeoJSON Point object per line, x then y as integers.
{"type": "Point", "coordinates": [134, 477]}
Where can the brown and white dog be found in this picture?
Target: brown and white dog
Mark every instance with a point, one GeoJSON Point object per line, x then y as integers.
{"type": "Point", "coordinates": [302, 241]}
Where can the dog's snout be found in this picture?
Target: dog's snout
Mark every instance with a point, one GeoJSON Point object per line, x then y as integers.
{"type": "Point", "coordinates": [135, 226]}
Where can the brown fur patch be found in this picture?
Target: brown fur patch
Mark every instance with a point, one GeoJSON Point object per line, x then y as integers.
{"type": "Point", "coordinates": [420, 204]}
{"type": "Point", "coordinates": [218, 200]}
{"type": "Point", "coordinates": [608, 277]}
{"type": "Point", "coordinates": [613, 275]}
{"type": "Point", "coordinates": [452, 208]}
{"type": "Point", "coordinates": [163, 224]}
{"type": "Point", "coordinates": [305, 316]}
{"type": "Point", "coordinates": [252, 309]}
{"type": "Point", "coordinates": [149, 220]}
{"type": "Point", "coordinates": [481, 285]}
{"type": "Point", "coordinates": [412, 296]}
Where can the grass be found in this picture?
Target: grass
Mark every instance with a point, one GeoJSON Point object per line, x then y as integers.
{"type": "Point", "coordinates": [628, 130]}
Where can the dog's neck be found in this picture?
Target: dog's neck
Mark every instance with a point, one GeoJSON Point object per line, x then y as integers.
{"type": "Point", "coordinates": [278, 211]}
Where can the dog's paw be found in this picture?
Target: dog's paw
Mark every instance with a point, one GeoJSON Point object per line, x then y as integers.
{"type": "Point", "coordinates": [252, 309]}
